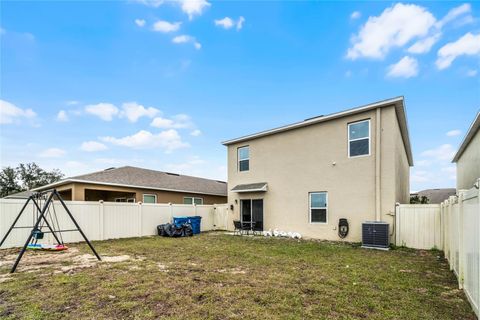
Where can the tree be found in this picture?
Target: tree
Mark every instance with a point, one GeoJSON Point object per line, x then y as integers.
{"type": "Point", "coordinates": [419, 200]}
{"type": "Point", "coordinates": [26, 177]}
{"type": "Point", "coordinates": [30, 174]}
{"type": "Point", "coordinates": [8, 182]}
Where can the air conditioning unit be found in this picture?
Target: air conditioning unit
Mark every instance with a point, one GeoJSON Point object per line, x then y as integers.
{"type": "Point", "coordinates": [375, 235]}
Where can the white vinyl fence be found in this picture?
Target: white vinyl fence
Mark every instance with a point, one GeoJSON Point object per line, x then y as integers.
{"type": "Point", "coordinates": [452, 226]}
{"type": "Point", "coordinates": [108, 220]}
{"type": "Point", "coordinates": [418, 226]}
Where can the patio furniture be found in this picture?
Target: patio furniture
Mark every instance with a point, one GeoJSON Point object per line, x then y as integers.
{"type": "Point", "coordinates": [238, 227]}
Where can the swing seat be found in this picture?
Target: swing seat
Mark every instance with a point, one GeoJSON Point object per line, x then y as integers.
{"type": "Point", "coordinates": [37, 234]}
{"type": "Point", "coordinates": [47, 247]}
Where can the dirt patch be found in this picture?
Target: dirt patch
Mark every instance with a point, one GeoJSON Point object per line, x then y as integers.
{"type": "Point", "coordinates": [67, 261]}
{"type": "Point", "coordinates": [232, 271]}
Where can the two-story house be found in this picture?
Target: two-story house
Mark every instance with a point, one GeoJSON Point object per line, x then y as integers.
{"type": "Point", "coordinates": [305, 176]}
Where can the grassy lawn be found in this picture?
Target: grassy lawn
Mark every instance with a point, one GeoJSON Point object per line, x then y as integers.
{"type": "Point", "coordinates": [219, 276]}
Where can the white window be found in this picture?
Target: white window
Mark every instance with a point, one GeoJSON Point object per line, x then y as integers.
{"type": "Point", "coordinates": [243, 158]}
{"type": "Point", "coordinates": [132, 200]}
{"type": "Point", "coordinates": [318, 207]}
{"type": "Point", "coordinates": [359, 138]}
{"type": "Point", "coordinates": [149, 198]}
{"type": "Point", "coordinates": [120, 199]}
{"type": "Point", "coordinates": [192, 200]}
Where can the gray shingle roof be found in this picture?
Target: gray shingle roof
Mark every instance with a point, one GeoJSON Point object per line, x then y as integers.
{"type": "Point", "coordinates": [20, 195]}
{"type": "Point", "coordinates": [436, 195]}
{"type": "Point", "coordinates": [152, 179]}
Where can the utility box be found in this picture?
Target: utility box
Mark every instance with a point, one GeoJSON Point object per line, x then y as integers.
{"type": "Point", "coordinates": [375, 235]}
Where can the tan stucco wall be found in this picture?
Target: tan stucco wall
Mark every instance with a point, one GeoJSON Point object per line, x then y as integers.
{"type": "Point", "coordinates": [299, 161]}
{"type": "Point", "coordinates": [468, 165]}
{"type": "Point", "coordinates": [78, 192]}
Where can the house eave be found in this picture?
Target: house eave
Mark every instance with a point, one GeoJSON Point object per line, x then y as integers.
{"type": "Point", "coordinates": [474, 127]}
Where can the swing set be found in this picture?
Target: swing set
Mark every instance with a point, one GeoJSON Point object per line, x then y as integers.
{"type": "Point", "coordinates": [44, 216]}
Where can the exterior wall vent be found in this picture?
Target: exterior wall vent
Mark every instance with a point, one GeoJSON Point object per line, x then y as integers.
{"type": "Point", "coordinates": [375, 235]}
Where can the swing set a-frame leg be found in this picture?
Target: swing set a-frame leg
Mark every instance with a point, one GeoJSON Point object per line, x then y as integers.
{"type": "Point", "coordinates": [42, 214]}
{"type": "Point", "coordinates": [16, 220]}
{"type": "Point", "coordinates": [76, 224]}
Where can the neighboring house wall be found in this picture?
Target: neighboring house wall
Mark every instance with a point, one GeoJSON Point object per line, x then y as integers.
{"type": "Point", "coordinates": [468, 165]}
{"type": "Point", "coordinates": [297, 162]}
{"type": "Point", "coordinates": [98, 192]}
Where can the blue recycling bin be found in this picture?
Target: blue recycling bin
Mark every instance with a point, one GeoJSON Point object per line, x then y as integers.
{"type": "Point", "coordinates": [194, 221]}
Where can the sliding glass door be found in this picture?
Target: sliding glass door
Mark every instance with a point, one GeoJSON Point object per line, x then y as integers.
{"type": "Point", "coordinates": [252, 213]}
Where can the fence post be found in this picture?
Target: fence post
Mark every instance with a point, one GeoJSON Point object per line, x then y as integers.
{"type": "Point", "coordinates": [140, 218]}
{"type": "Point", "coordinates": [171, 212]}
{"type": "Point", "coordinates": [101, 220]}
{"type": "Point", "coordinates": [461, 262]}
{"type": "Point", "coordinates": [397, 224]}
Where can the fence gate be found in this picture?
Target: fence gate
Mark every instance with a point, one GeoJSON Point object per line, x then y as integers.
{"type": "Point", "coordinates": [419, 226]}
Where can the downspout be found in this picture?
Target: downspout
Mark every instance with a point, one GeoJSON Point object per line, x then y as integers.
{"type": "Point", "coordinates": [378, 200]}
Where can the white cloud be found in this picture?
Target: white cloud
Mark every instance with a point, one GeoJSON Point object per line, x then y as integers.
{"type": "Point", "coordinates": [133, 111]}
{"type": "Point", "coordinates": [186, 167]}
{"type": "Point", "coordinates": [62, 116]}
{"type": "Point", "coordinates": [52, 153]}
{"type": "Point", "coordinates": [140, 22]}
{"type": "Point", "coordinates": [180, 121]}
{"type": "Point", "coordinates": [240, 22]}
{"type": "Point", "coordinates": [396, 26]}
{"type": "Point", "coordinates": [422, 163]}
{"type": "Point", "coordinates": [407, 67]}
{"type": "Point", "coordinates": [151, 3]}
{"type": "Point", "coordinates": [399, 25]}
{"type": "Point", "coordinates": [228, 23]}
{"type": "Point", "coordinates": [472, 73]}
{"type": "Point", "coordinates": [468, 45]}
{"type": "Point", "coordinates": [454, 14]}
{"type": "Point", "coordinates": [187, 39]}
{"type": "Point", "coordinates": [10, 113]}
{"type": "Point", "coordinates": [453, 133]}
{"type": "Point", "coordinates": [105, 111]}
{"type": "Point", "coordinates": [424, 45]}
{"type": "Point", "coordinates": [72, 102]}
{"type": "Point", "coordinates": [165, 26]}
{"type": "Point", "coordinates": [225, 23]}
{"type": "Point", "coordinates": [355, 15]}
{"type": "Point", "coordinates": [92, 146]}
{"type": "Point", "coordinates": [419, 176]}
{"type": "Point", "coordinates": [445, 152]}
{"type": "Point", "coordinates": [193, 7]}
{"type": "Point", "coordinates": [168, 140]}
{"type": "Point", "coordinates": [196, 133]}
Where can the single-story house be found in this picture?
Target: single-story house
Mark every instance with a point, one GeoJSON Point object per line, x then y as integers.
{"type": "Point", "coordinates": [304, 177]}
{"type": "Point", "coordinates": [435, 196]}
{"type": "Point", "coordinates": [132, 184]}
{"type": "Point", "coordinates": [467, 157]}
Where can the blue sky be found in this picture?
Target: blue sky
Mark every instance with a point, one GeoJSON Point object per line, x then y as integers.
{"type": "Point", "coordinates": [88, 85]}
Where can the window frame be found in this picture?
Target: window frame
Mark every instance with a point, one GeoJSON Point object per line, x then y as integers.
{"type": "Point", "coordinates": [121, 198]}
{"type": "Point", "coordinates": [238, 158]}
{"type": "Point", "coordinates": [149, 194]}
{"type": "Point", "coordinates": [193, 201]}
{"type": "Point", "coordinates": [369, 138]}
{"type": "Point", "coordinates": [310, 207]}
